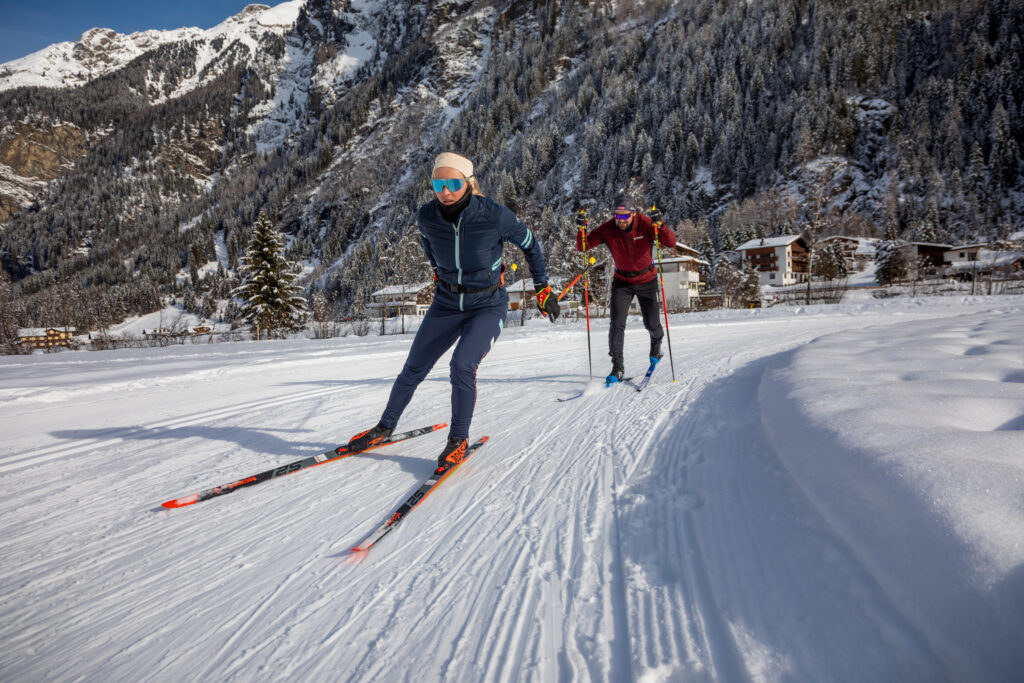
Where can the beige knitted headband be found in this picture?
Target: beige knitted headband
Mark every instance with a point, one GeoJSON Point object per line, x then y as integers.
{"type": "Point", "coordinates": [452, 160]}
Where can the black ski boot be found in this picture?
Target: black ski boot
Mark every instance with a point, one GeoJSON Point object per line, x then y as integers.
{"type": "Point", "coordinates": [616, 375]}
{"type": "Point", "coordinates": [369, 438]}
{"type": "Point", "coordinates": [655, 350]}
{"type": "Point", "coordinates": [454, 452]}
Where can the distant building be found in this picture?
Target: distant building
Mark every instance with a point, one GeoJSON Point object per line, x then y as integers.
{"type": "Point", "coordinates": [925, 258]}
{"type": "Point", "coordinates": [965, 253]}
{"type": "Point", "coordinates": [46, 337]}
{"type": "Point", "coordinates": [857, 251]}
{"type": "Point", "coordinates": [409, 299]}
{"type": "Point", "coordinates": [522, 292]}
{"type": "Point", "coordinates": [971, 261]}
{"type": "Point", "coordinates": [681, 276]}
{"type": "Point", "coordinates": [779, 261]}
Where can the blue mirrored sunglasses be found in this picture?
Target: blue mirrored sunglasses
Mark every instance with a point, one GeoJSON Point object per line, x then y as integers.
{"type": "Point", "coordinates": [453, 184]}
{"type": "Point", "coordinates": [622, 216]}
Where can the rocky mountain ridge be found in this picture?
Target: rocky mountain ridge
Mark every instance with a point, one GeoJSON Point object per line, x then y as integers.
{"type": "Point", "coordinates": [859, 119]}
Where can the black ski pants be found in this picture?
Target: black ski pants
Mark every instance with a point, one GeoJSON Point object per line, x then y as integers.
{"type": "Point", "coordinates": [622, 296]}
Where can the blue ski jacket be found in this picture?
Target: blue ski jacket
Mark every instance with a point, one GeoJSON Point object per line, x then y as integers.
{"type": "Point", "coordinates": [467, 253]}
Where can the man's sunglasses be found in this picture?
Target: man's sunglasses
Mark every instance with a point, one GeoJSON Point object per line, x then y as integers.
{"type": "Point", "coordinates": [453, 184]}
{"type": "Point", "coordinates": [622, 216]}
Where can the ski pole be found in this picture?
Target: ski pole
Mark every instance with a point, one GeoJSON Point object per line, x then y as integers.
{"type": "Point", "coordinates": [576, 279]}
{"type": "Point", "coordinates": [664, 301]}
{"type": "Point", "coordinates": [586, 289]}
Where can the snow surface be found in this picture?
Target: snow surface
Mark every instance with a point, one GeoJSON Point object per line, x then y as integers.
{"type": "Point", "coordinates": [825, 494]}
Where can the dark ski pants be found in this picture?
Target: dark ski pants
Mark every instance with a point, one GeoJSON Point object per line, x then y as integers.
{"type": "Point", "coordinates": [476, 331]}
{"type": "Point", "coordinates": [622, 295]}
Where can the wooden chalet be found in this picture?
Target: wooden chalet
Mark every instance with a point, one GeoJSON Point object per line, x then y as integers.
{"type": "Point", "coordinates": [46, 337]}
{"type": "Point", "coordinates": [779, 261]}
{"type": "Point", "coordinates": [408, 299]}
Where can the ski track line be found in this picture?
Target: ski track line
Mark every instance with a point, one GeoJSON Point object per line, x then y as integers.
{"type": "Point", "coordinates": [239, 630]}
{"type": "Point", "coordinates": [332, 637]}
{"type": "Point", "coordinates": [525, 456]}
{"type": "Point", "coordinates": [468, 512]}
{"type": "Point", "coordinates": [47, 454]}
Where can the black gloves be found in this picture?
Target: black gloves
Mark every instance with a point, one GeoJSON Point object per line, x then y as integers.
{"type": "Point", "coordinates": [656, 216]}
{"type": "Point", "coordinates": [547, 302]}
{"type": "Point", "coordinates": [581, 220]}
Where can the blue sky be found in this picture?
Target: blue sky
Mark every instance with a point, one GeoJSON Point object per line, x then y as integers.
{"type": "Point", "coordinates": [30, 25]}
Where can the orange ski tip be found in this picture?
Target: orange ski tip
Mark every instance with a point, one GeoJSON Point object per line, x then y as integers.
{"type": "Point", "coordinates": [182, 502]}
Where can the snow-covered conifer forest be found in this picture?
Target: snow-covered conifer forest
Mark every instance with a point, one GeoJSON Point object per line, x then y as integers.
{"type": "Point", "coordinates": [133, 168]}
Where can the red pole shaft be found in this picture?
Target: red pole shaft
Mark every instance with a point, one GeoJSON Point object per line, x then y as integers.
{"type": "Point", "coordinates": [664, 301]}
{"type": "Point", "coordinates": [586, 296]}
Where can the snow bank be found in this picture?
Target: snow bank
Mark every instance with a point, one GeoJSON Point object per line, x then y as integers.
{"type": "Point", "coordinates": [910, 441]}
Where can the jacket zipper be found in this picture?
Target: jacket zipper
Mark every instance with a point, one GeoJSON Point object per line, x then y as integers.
{"type": "Point", "coordinates": [458, 259]}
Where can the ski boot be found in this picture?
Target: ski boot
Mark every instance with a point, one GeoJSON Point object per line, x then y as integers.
{"type": "Point", "coordinates": [454, 452]}
{"type": "Point", "coordinates": [655, 351]}
{"type": "Point", "coordinates": [370, 438]}
{"type": "Point", "coordinates": [616, 375]}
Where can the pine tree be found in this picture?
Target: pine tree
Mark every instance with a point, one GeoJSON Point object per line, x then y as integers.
{"type": "Point", "coordinates": [891, 263]}
{"type": "Point", "coordinates": [270, 300]}
{"type": "Point", "coordinates": [8, 317]}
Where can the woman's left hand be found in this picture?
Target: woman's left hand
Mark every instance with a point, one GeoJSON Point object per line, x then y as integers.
{"type": "Point", "coordinates": [547, 302]}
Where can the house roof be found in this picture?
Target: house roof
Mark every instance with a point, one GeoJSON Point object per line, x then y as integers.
{"type": "Point", "coordinates": [402, 289]}
{"type": "Point", "coordinates": [987, 258]}
{"type": "Point", "coordinates": [760, 243]}
{"type": "Point", "coordinates": [685, 249]}
{"type": "Point", "coordinates": [40, 331]}
{"type": "Point", "coordinates": [931, 244]}
{"type": "Point", "coordinates": [685, 259]}
{"type": "Point", "coordinates": [979, 245]}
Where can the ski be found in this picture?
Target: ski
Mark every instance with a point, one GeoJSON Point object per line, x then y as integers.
{"type": "Point", "coordinates": [647, 377]}
{"type": "Point", "coordinates": [569, 398]}
{"type": "Point", "coordinates": [613, 382]}
{"type": "Point", "coordinates": [290, 468]}
{"type": "Point", "coordinates": [428, 487]}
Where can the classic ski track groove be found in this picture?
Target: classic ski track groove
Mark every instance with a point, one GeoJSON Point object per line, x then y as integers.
{"type": "Point", "coordinates": [569, 599]}
{"type": "Point", "coordinates": [45, 454]}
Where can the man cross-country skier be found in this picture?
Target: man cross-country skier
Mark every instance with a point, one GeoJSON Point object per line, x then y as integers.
{"type": "Point", "coordinates": [629, 235]}
{"type": "Point", "coordinates": [463, 233]}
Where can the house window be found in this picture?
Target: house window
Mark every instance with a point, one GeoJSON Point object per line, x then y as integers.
{"type": "Point", "coordinates": [771, 276]}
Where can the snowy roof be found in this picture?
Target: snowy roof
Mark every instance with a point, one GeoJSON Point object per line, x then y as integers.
{"type": "Point", "coordinates": [979, 245]}
{"type": "Point", "coordinates": [41, 331]}
{"type": "Point", "coordinates": [759, 243]}
{"type": "Point", "coordinates": [685, 259]}
{"type": "Point", "coordinates": [402, 289]}
{"type": "Point", "coordinates": [684, 248]}
{"type": "Point", "coordinates": [931, 244]}
{"type": "Point", "coordinates": [987, 258]}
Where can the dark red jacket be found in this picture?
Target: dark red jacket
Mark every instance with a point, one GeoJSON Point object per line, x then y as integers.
{"type": "Point", "coordinates": [632, 250]}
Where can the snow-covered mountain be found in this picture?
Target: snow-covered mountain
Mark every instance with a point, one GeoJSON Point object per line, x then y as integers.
{"type": "Point", "coordinates": [737, 119]}
{"type": "Point", "coordinates": [101, 51]}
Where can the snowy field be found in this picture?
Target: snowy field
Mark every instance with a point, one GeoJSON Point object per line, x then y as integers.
{"type": "Point", "coordinates": [825, 494]}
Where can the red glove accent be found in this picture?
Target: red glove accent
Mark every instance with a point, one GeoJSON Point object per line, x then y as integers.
{"type": "Point", "coordinates": [542, 298]}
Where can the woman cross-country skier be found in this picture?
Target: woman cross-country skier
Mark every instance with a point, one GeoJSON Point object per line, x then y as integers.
{"type": "Point", "coordinates": [463, 233]}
